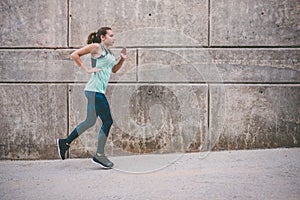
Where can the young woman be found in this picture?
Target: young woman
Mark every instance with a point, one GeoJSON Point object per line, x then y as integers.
{"type": "Point", "coordinates": [103, 63]}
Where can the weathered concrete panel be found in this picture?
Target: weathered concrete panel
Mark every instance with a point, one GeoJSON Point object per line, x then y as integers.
{"type": "Point", "coordinates": [33, 23]}
{"type": "Point", "coordinates": [142, 23]}
{"type": "Point", "coordinates": [258, 22]}
{"type": "Point", "coordinates": [256, 65]}
{"type": "Point", "coordinates": [255, 116]}
{"type": "Point", "coordinates": [167, 65]}
{"type": "Point", "coordinates": [219, 65]}
{"type": "Point", "coordinates": [32, 117]}
{"type": "Point", "coordinates": [147, 119]}
{"type": "Point", "coordinates": [21, 65]}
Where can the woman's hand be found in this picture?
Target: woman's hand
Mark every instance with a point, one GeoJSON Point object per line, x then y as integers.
{"type": "Point", "coordinates": [123, 53]}
{"type": "Point", "coordinates": [121, 61]}
{"type": "Point", "coordinates": [92, 70]}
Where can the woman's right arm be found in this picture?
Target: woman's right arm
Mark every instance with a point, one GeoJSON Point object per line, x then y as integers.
{"type": "Point", "coordinates": [83, 51]}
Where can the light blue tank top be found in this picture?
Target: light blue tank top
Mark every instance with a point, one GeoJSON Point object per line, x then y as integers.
{"type": "Point", "coordinates": [99, 80]}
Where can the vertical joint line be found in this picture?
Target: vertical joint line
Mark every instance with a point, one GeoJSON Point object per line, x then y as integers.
{"type": "Point", "coordinates": [208, 108]}
{"type": "Point", "coordinates": [137, 65]}
{"type": "Point", "coordinates": [208, 112]}
{"type": "Point", "coordinates": [208, 118]}
{"type": "Point", "coordinates": [68, 23]}
{"type": "Point", "coordinates": [68, 115]}
{"type": "Point", "coordinates": [68, 107]}
{"type": "Point", "coordinates": [208, 28]}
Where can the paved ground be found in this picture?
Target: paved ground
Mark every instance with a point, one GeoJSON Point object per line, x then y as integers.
{"type": "Point", "coordinates": [257, 174]}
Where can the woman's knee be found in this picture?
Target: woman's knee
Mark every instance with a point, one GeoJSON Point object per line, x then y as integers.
{"type": "Point", "coordinates": [90, 122]}
{"type": "Point", "coordinates": [109, 122]}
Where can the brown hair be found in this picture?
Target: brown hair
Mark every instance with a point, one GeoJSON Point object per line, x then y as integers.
{"type": "Point", "coordinates": [95, 37]}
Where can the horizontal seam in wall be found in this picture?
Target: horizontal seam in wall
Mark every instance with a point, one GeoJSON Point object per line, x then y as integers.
{"type": "Point", "coordinates": [156, 83]}
{"type": "Point", "coordinates": [156, 47]}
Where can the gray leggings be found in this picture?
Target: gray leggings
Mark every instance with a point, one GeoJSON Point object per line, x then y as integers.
{"type": "Point", "coordinates": [97, 107]}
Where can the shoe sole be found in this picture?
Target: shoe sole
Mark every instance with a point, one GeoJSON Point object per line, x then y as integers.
{"type": "Point", "coordinates": [57, 142]}
{"type": "Point", "coordinates": [105, 167]}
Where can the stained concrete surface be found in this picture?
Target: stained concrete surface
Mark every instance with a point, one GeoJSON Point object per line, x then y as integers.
{"type": "Point", "coordinates": [142, 23]}
{"type": "Point", "coordinates": [259, 22]}
{"type": "Point", "coordinates": [40, 23]}
{"type": "Point", "coordinates": [251, 174]}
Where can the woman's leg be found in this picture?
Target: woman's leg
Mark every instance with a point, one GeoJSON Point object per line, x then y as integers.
{"type": "Point", "coordinates": [103, 111]}
{"type": "Point", "coordinates": [90, 120]}
{"type": "Point", "coordinates": [91, 117]}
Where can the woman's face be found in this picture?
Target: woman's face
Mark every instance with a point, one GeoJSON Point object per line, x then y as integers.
{"type": "Point", "coordinates": [109, 38]}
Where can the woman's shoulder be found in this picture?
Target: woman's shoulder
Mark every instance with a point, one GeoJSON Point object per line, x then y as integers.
{"type": "Point", "coordinates": [94, 45]}
{"type": "Point", "coordinates": [95, 49]}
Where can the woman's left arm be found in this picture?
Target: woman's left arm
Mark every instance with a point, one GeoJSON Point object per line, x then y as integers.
{"type": "Point", "coordinates": [121, 61]}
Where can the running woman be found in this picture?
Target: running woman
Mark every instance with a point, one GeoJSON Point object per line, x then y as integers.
{"type": "Point", "coordinates": [103, 63]}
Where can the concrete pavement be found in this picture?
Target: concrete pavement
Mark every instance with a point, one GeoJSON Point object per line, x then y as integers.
{"type": "Point", "coordinates": [247, 174]}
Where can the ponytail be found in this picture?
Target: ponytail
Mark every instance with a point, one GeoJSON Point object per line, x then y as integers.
{"type": "Point", "coordinates": [93, 38]}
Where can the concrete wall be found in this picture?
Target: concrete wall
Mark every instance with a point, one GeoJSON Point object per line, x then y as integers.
{"type": "Point", "coordinates": [200, 75]}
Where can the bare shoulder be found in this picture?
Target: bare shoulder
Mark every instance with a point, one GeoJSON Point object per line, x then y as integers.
{"type": "Point", "coordinates": [95, 49]}
{"type": "Point", "coordinates": [90, 48]}
{"type": "Point", "coordinates": [94, 46]}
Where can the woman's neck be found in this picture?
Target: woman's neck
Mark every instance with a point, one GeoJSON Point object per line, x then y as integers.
{"type": "Point", "coordinates": [106, 47]}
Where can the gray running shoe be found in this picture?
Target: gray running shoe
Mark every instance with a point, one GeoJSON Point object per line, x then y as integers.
{"type": "Point", "coordinates": [103, 161]}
